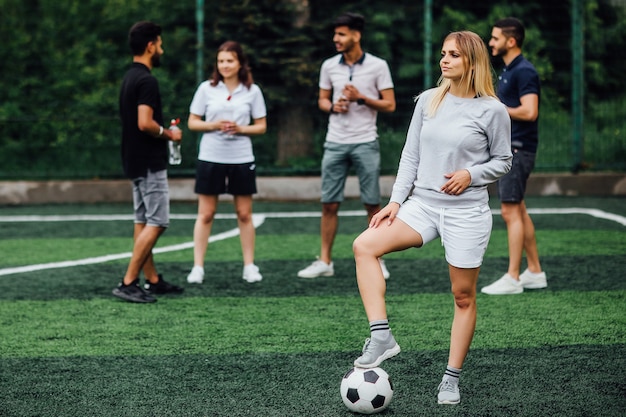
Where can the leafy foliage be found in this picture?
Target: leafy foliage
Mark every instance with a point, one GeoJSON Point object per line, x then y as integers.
{"type": "Point", "coordinates": [62, 63]}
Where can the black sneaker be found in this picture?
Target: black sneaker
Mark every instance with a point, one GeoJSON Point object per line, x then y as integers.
{"type": "Point", "coordinates": [133, 293]}
{"type": "Point", "coordinates": [162, 287]}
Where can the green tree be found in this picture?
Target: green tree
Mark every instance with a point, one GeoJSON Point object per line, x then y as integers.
{"type": "Point", "coordinates": [62, 63]}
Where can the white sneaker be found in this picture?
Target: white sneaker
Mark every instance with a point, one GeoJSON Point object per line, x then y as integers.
{"type": "Point", "coordinates": [448, 393]}
{"type": "Point", "coordinates": [317, 269]}
{"type": "Point", "coordinates": [533, 281]}
{"type": "Point", "coordinates": [251, 273]}
{"type": "Point", "coordinates": [505, 285]}
{"type": "Point", "coordinates": [196, 276]}
{"type": "Point", "coordinates": [386, 273]}
{"type": "Point", "coordinates": [376, 351]}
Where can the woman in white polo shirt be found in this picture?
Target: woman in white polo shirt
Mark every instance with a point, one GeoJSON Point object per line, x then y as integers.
{"type": "Point", "coordinates": [227, 109]}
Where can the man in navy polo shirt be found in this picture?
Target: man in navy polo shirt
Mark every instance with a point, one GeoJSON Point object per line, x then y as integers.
{"type": "Point", "coordinates": [354, 87]}
{"type": "Point", "coordinates": [518, 89]}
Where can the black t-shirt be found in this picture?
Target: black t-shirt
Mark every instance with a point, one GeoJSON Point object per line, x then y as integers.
{"type": "Point", "coordinates": [140, 151]}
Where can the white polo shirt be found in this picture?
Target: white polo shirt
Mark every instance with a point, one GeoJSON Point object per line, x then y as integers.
{"type": "Point", "coordinates": [369, 75]}
{"type": "Point", "coordinates": [216, 103]}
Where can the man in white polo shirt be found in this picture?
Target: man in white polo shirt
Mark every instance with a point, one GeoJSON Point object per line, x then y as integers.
{"type": "Point", "coordinates": [354, 87]}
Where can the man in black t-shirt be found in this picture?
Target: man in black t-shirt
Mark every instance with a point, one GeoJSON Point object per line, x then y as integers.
{"type": "Point", "coordinates": [144, 159]}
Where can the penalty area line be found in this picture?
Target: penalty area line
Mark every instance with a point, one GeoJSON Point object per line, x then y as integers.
{"type": "Point", "coordinates": [257, 220]}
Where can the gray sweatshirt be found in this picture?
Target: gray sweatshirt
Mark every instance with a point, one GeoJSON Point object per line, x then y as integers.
{"type": "Point", "coordinates": [472, 134]}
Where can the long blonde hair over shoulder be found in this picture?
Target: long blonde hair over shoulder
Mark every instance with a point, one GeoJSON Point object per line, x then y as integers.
{"type": "Point", "coordinates": [478, 75]}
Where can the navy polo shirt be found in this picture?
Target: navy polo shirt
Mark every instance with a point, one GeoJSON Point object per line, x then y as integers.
{"type": "Point", "coordinates": [516, 80]}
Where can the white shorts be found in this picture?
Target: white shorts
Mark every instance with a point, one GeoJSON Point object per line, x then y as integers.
{"type": "Point", "coordinates": [464, 232]}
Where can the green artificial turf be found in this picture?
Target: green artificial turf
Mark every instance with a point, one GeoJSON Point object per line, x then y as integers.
{"type": "Point", "coordinates": [280, 347]}
{"type": "Point", "coordinates": [26, 251]}
{"type": "Point", "coordinates": [549, 381]}
{"type": "Point", "coordinates": [241, 325]}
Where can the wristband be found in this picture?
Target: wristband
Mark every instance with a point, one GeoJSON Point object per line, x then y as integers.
{"type": "Point", "coordinates": [160, 131]}
{"type": "Point", "coordinates": [332, 108]}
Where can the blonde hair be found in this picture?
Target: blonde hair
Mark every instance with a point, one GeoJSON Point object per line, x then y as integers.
{"type": "Point", "coordinates": [478, 75]}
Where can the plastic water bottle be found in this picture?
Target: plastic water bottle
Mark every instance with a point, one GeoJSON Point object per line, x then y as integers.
{"type": "Point", "coordinates": [228, 114]}
{"type": "Point", "coordinates": [343, 101]}
{"type": "Point", "coordinates": [175, 155]}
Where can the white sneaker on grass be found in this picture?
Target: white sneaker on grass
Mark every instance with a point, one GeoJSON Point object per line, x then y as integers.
{"type": "Point", "coordinates": [533, 281]}
{"type": "Point", "coordinates": [317, 269]}
{"type": "Point", "coordinates": [196, 276]}
{"type": "Point", "coordinates": [386, 273]}
{"type": "Point", "coordinates": [504, 286]}
{"type": "Point", "coordinates": [251, 273]}
{"type": "Point", "coordinates": [375, 351]}
{"type": "Point", "coordinates": [448, 393]}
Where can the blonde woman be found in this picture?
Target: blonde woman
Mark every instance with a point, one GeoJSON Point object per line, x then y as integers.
{"type": "Point", "coordinates": [458, 142]}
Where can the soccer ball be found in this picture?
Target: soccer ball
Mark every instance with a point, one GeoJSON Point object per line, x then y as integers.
{"type": "Point", "coordinates": [366, 391]}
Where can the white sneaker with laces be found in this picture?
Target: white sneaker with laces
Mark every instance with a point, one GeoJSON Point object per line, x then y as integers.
{"type": "Point", "coordinates": [386, 273]}
{"type": "Point", "coordinates": [533, 281]}
{"type": "Point", "coordinates": [448, 393]}
{"type": "Point", "coordinates": [504, 286]}
{"type": "Point", "coordinates": [317, 269]}
{"type": "Point", "coordinates": [196, 276]}
{"type": "Point", "coordinates": [251, 273]}
{"type": "Point", "coordinates": [375, 351]}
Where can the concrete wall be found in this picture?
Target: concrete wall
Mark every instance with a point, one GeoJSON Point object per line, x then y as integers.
{"type": "Point", "coordinates": [282, 188]}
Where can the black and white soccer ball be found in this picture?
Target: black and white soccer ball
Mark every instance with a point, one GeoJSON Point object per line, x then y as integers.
{"type": "Point", "coordinates": [366, 391]}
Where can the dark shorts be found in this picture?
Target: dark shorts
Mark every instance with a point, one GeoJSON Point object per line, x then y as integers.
{"type": "Point", "coordinates": [236, 179]}
{"type": "Point", "coordinates": [512, 186]}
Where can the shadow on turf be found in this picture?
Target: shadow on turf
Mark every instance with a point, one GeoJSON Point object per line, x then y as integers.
{"type": "Point", "coordinates": [548, 381]}
{"type": "Point", "coordinates": [584, 273]}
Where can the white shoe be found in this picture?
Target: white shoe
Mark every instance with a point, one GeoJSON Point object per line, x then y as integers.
{"type": "Point", "coordinates": [196, 276]}
{"type": "Point", "coordinates": [448, 393]}
{"type": "Point", "coordinates": [386, 273]}
{"type": "Point", "coordinates": [317, 269]}
{"type": "Point", "coordinates": [533, 281]}
{"type": "Point", "coordinates": [251, 273]}
{"type": "Point", "coordinates": [376, 351]}
{"type": "Point", "coordinates": [505, 285]}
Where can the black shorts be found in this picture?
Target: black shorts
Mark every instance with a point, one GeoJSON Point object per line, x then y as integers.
{"type": "Point", "coordinates": [236, 179]}
{"type": "Point", "coordinates": [512, 186]}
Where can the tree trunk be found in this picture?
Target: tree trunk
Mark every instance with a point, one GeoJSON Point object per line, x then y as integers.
{"type": "Point", "coordinates": [295, 133]}
{"type": "Point", "coordinates": [295, 125]}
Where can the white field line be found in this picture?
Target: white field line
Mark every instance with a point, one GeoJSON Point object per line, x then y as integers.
{"type": "Point", "coordinates": [300, 214]}
{"type": "Point", "coordinates": [348, 213]}
{"type": "Point", "coordinates": [257, 220]}
{"type": "Point", "coordinates": [119, 217]}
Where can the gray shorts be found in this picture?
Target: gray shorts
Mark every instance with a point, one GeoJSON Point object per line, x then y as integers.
{"type": "Point", "coordinates": [336, 163]}
{"type": "Point", "coordinates": [512, 186]}
{"type": "Point", "coordinates": [464, 232]}
{"type": "Point", "coordinates": [151, 199]}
